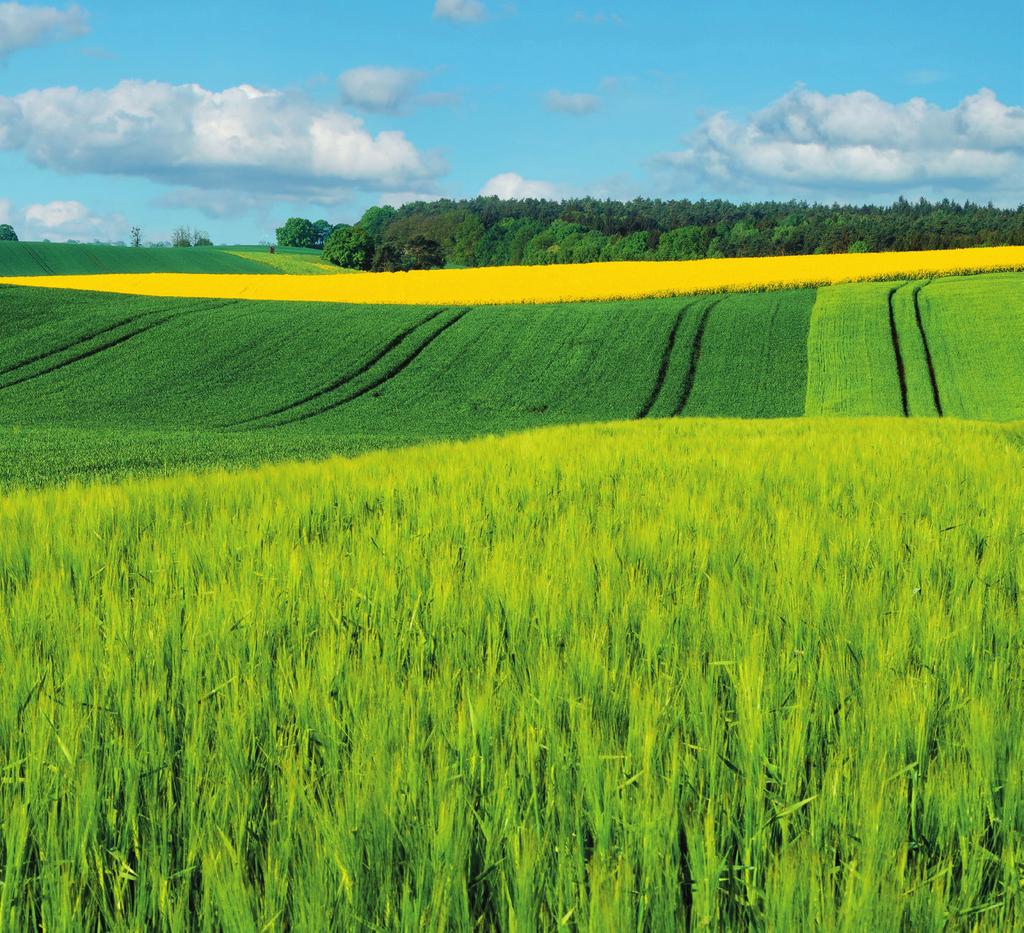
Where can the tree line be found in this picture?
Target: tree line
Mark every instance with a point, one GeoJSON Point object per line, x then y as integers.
{"type": "Point", "coordinates": [488, 231]}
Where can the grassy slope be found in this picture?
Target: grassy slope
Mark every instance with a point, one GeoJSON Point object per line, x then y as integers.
{"type": "Point", "coordinates": [851, 365]}
{"type": "Point", "coordinates": [296, 263]}
{"type": "Point", "coordinates": [975, 331]}
{"type": "Point", "coordinates": [237, 373]}
{"type": "Point", "coordinates": [753, 360]}
{"type": "Point", "coordinates": [121, 382]}
{"type": "Point", "coordinates": [620, 674]}
{"type": "Point", "coordinates": [86, 259]}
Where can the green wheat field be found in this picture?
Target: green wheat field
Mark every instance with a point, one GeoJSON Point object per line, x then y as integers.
{"type": "Point", "coordinates": [679, 613]}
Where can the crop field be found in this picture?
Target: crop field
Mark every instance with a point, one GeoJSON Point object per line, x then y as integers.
{"type": "Point", "coordinates": [956, 343]}
{"type": "Point", "coordinates": [59, 259]}
{"type": "Point", "coordinates": [663, 655]}
{"type": "Point", "coordinates": [550, 284]}
{"type": "Point", "coordinates": [608, 677]}
{"type": "Point", "coordinates": [291, 263]}
{"type": "Point", "coordinates": [134, 382]}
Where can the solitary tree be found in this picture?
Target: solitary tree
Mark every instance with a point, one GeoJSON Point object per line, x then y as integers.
{"type": "Point", "coordinates": [181, 237]}
{"type": "Point", "coordinates": [136, 236]}
{"type": "Point", "coordinates": [7, 233]}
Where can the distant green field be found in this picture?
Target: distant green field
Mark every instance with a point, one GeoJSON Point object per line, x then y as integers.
{"type": "Point", "coordinates": [293, 262]}
{"type": "Point", "coordinates": [100, 376]}
{"type": "Point", "coordinates": [265, 247]}
{"type": "Point", "coordinates": [120, 383]}
{"type": "Point", "coordinates": [85, 259]}
{"type": "Point", "coordinates": [958, 343]}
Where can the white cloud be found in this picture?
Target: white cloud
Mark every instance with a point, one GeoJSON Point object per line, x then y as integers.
{"type": "Point", "coordinates": [240, 139]}
{"type": "Point", "coordinates": [510, 186]}
{"type": "Point", "coordinates": [6, 211]}
{"type": "Point", "coordinates": [69, 220]}
{"type": "Point", "coordinates": [460, 11]}
{"type": "Point", "coordinates": [576, 104]}
{"type": "Point", "coordinates": [858, 143]}
{"type": "Point", "coordinates": [23, 27]}
{"type": "Point", "coordinates": [379, 89]}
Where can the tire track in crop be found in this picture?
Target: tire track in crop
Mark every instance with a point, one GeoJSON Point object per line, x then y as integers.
{"type": "Point", "coordinates": [109, 345]}
{"type": "Point", "coordinates": [666, 358]}
{"type": "Point", "coordinates": [45, 266]}
{"type": "Point", "coordinates": [391, 373]}
{"type": "Point", "coordinates": [92, 335]}
{"type": "Point", "coordinates": [63, 348]}
{"type": "Point", "coordinates": [342, 381]}
{"type": "Point", "coordinates": [927, 350]}
{"type": "Point", "coordinates": [691, 372]}
{"type": "Point", "coordinates": [901, 371]}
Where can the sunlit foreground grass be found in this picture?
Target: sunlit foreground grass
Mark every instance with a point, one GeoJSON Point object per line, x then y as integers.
{"type": "Point", "coordinates": [530, 284]}
{"type": "Point", "coordinates": [741, 674]}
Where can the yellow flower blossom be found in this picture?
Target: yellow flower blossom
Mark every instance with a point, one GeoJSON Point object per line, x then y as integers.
{"type": "Point", "coordinates": [546, 284]}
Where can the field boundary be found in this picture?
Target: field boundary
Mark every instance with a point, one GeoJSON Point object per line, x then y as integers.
{"type": "Point", "coordinates": [927, 349]}
{"type": "Point", "coordinates": [391, 373]}
{"type": "Point", "coordinates": [691, 371]}
{"type": "Point", "coordinates": [378, 355]}
{"type": "Point", "coordinates": [901, 371]}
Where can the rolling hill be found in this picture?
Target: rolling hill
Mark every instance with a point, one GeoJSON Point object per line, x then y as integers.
{"type": "Point", "coordinates": [43, 259]}
{"type": "Point", "coordinates": [154, 380]}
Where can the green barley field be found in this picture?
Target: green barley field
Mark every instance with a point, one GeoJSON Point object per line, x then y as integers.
{"type": "Point", "coordinates": [694, 613]}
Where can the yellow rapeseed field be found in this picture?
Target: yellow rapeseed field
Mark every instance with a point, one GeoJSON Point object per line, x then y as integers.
{"type": "Point", "coordinates": [546, 284]}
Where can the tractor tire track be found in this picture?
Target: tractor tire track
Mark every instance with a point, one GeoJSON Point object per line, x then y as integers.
{"type": "Point", "coordinates": [63, 348]}
{"type": "Point", "coordinates": [901, 371]}
{"type": "Point", "coordinates": [45, 266]}
{"type": "Point", "coordinates": [92, 335]}
{"type": "Point", "coordinates": [927, 349]}
{"type": "Point", "coordinates": [691, 372]}
{"type": "Point", "coordinates": [342, 381]}
{"type": "Point", "coordinates": [391, 373]}
{"type": "Point", "coordinates": [109, 345]}
{"type": "Point", "coordinates": [666, 358]}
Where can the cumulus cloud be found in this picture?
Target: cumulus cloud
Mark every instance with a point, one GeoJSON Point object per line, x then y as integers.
{"type": "Point", "coordinates": [23, 27]}
{"type": "Point", "coordinates": [239, 139]}
{"type": "Point", "coordinates": [858, 143]}
{"type": "Point", "coordinates": [69, 220]}
{"type": "Point", "coordinates": [575, 104]}
{"type": "Point", "coordinates": [460, 11]}
{"type": "Point", "coordinates": [510, 186]}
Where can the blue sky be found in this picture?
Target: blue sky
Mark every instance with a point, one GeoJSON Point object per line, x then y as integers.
{"type": "Point", "coordinates": [231, 117]}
